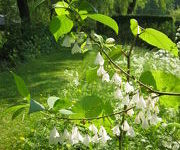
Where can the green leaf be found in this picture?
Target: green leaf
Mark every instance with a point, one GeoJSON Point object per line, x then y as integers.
{"type": "Point", "coordinates": [168, 83]}
{"type": "Point", "coordinates": [108, 109]}
{"type": "Point", "coordinates": [16, 107]}
{"type": "Point", "coordinates": [88, 106]}
{"type": "Point", "coordinates": [51, 101]}
{"type": "Point", "coordinates": [91, 75]}
{"type": "Point", "coordinates": [159, 40]}
{"type": "Point", "coordinates": [22, 89]}
{"type": "Point", "coordinates": [148, 79]}
{"type": "Point", "coordinates": [61, 8]}
{"type": "Point", "coordinates": [61, 103]}
{"type": "Point", "coordinates": [35, 107]}
{"type": "Point", "coordinates": [134, 27]}
{"type": "Point", "coordinates": [108, 21]}
{"type": "Point", "coordinates": [18, 112]}
{"type": "Point", "coordinates": [66, 112]}
{"type": "Point", "coordinates": [60, 25]}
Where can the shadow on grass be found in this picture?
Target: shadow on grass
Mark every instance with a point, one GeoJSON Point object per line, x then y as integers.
{"type": "Point", "coordinates": [43, 76]}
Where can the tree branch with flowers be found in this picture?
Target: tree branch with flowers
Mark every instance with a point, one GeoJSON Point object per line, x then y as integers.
{"type": "Point", "coordinates": [130, 102]}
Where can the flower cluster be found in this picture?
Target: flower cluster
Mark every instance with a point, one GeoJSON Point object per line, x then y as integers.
{"type": "Point", "coordinates": [177, 38]}
{"type": "Point", "coordinates": [126, 94]}
{"type": "Point", "coordinates": [75, 136]}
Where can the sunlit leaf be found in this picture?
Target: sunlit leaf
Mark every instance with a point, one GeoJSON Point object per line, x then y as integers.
{"type": "Point", "coordinates": [108, 21]}
{"type": "Point", "coordinates": [60, 25]}
{"type": "Point", "coordinates": [61, 8]}
{"type": "Point", "coordinates": [66, 112]}
{"type": "Point", "coordinates": [21, 86]}
{"type": "Point", "coordinates": [51, 101]}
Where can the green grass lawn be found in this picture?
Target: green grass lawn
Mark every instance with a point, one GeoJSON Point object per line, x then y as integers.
{"type": "Point", "coordinates": [44, 77]}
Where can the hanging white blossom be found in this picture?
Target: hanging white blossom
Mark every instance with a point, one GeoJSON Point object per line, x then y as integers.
{"type": "Point", "coordinates": [68, 40]}
{"type": "Point", "coordinates": [141, 103]}
{"type": "Point", "coordinates": [130, 112]}
{"type": "Point", "coordinates": [93, 128]}
{"type": "Point", "coordinates": [116, 130]}
{"type": "Point", "coordinates": [125, 126]}
{"type": "Point", "coordinates": [110, 41]}
{"type": "Point", "coordinates": [76, 49]}
{"type": "Point", "coordinates": [101, 71]}
{"type": "Point", "coordinates": [131, 132]}
{"type": "Point", "coordinates": [87, 140]}
{"type": "Point", "coordinates": [135, 97]}
{"type": "Point", "coordinates": [128, 88]}
{"type": "Point", "coordinates": [118, 94]}
{"type": "Point", "coordinates": [154, 119]}
{"type": "Point", "coordinates": [137, 119]}
{"type": "Point", "coordinates": [99, 59]}
{"type": "Point", "coordinates": [103, 135]}
{"type": "Point", "coordinates": [54, 136]}
{"type": "Point", "coordinates": [116, 79]}
{"type": "Point", "coordinates": [66, 135]}
{"type": "Point", "coordinates": [95, 139]}
{"type": "Point", "coordinates": [125, 101]}
{"type": "Point", "coordinates": [145, 123]}
{"type": "Point", "coordinates": [105, 77]}
{"type": "Point", "coordinates": [76, 136]}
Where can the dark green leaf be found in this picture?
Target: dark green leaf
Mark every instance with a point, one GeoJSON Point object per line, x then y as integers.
{"type": "Point", "coordinates": [148, 79]}
{"type": "Point", "coordinates": [22, 89]}
{"type": "Point", "coordinates": [35, 107]}
{"type": "Point", "coordinates": [18, 112]}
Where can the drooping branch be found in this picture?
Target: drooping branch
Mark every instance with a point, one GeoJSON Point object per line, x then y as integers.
{"type": "Point", "coordinates": [151, 90]}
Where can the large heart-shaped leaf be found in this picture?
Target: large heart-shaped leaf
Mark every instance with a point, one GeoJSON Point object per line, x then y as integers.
{"type": "Point", "coordinates": [159, 39]}
{"type": "Point", "coordinates": [60, 25]}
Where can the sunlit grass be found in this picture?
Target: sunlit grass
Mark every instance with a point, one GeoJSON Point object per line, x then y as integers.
{"type": "Point", "coordinates": [44, 77]}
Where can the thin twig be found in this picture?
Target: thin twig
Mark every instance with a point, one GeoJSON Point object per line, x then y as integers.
{"type": "Point", "coordinates": [160, 93]}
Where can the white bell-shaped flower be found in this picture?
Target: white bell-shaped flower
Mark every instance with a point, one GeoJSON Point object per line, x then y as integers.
{"type": "Point", "coordinates": [76, 136]}
{"type": "Point", "coordinates": [87, 140]}
{"type": "Point", "coordinates": [130, 112]}
{"type": "Point", "coordinates": [99, 59]}
{"type": "Point", "coordinates": [141, 103]}
{"type": "Point", "coordinates": [116, 79]}
{"type": "Point", "coordinates": [131, 132]}
{"type": "Point", "coordinates": [125, 101]}
{"type": "Point", "coordinates": [156, 109]}
{"type": "Point", "coordinates": [125, 126]}
{"type": "Point", "coordinates": [54, 136]}
{"type": "Point", "coordinates": [148, 114]}
{"type": "Point", "coordinates": [95, 139]}
{"type": "Point", "coordinates": [103, 135]}
{"type": "Point", "coordinates": [93, 129]}
{"type": "Point", "coordinates": [116, 130]}
{"type": "Point", "coordinates": [154, 119]}
{"type": "Point", "coordinates": [68, 40]}
{"type": "Point", "coordinates": [110, 41]}
{"type": "Point", "coordinates": [128, 88]}
{"type": "Point", "coordinates": [118, 94]}
{"type": "Point", "coordinates": [105, 77]}
{"type": "Point", "coordinates": [101, 71]}
{"type": "Point", "coordinates": [137, 119]}
{"type": "Point", "coordinates": [76, 49]}
{"type": "Point", "coordinates": [135, 98]}
{"type": "Point", "coordinates": [145, 123]}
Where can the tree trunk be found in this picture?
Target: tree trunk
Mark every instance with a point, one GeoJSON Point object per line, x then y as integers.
{"type": "Point", "coordinates": [24, 14]}
{"type": "Point", "coordinates": [131, 7]}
